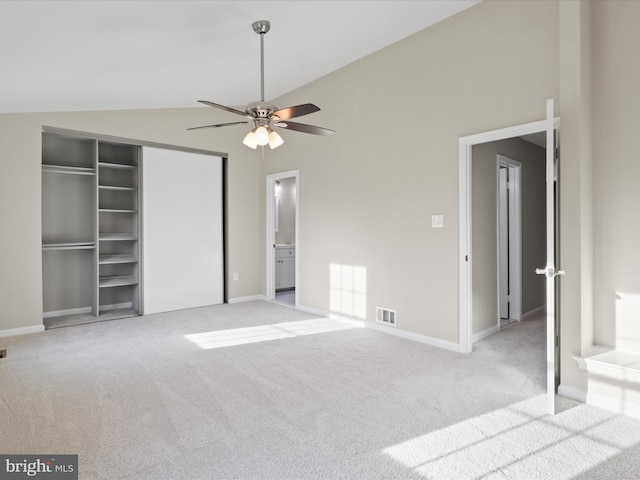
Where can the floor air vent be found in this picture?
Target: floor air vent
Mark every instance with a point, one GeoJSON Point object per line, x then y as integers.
{"type": "Point", "coordinates": [386, 316]}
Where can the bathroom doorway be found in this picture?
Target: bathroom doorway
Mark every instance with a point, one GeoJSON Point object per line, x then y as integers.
{"type": "Point", "coordinates": [282, 237]}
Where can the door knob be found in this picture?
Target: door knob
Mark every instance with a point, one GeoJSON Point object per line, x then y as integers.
{"type": "Point", "coordinates": [549, 272]}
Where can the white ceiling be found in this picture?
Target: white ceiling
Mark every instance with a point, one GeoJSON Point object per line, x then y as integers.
{"type": "Point", "coordinates": [94, 55]}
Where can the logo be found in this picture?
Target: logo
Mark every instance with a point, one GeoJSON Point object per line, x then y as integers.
{"type": "Point", "coordinates": [49, 467]}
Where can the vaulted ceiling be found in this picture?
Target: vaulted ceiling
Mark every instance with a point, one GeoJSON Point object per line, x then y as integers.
{"type": "Point", "coordinates": [94, 55]}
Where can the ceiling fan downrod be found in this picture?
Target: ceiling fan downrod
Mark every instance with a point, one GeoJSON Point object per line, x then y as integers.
{"type": "Point", "coordinates": [265, 116]}
{"type": "Point", "coordinates": [261, 27]}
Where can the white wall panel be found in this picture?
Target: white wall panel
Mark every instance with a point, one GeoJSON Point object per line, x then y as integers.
{"type": "Point", "coordinates": [182, 230]}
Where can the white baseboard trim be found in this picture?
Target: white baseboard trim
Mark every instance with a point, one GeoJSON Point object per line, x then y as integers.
{"type": "Point", "coordinates": [251, 298]}
{"type": "Point", "coordinates": [573, 393]}
{"type": "Point", "coordinates": [485, 333]}
{"type": "Point", "coordinates": [13, 332]}
{"type": "Point", "coordinates": [606, 402]}
{"type": "Point", "coordinates": [313, 311]}
{"type": "Point", "coordinates": [416, 337]}
{"type": "Point", "coordinates": [534, 312]}
{"type": "Point", "coordinates": [70, 311]}
{"type": "Point", "coordinates": [614, 404]}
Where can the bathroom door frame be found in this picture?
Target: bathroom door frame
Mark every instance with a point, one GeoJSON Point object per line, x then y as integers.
{"type": "Point", "coordinates": [514, 238]}
{"type": "Point", "coordinates": [271, 234]}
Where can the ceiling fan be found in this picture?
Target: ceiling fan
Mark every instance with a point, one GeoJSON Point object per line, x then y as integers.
{"type": "Point", "coordinates": [265, 116]}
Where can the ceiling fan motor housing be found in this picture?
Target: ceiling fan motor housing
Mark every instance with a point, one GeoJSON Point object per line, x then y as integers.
{"type": "Point", "coordinates": [261, 110]}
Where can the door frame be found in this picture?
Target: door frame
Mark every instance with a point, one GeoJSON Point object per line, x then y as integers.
{"type": "Point", "coordinates": [514, 234]}
{"type": "Point", "coordinates": [465, 145]}
{"type": "Point", "coordinates": [270, 231]}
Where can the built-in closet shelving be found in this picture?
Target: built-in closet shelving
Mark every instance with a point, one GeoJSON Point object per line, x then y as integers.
{"type": "Point", "coordinates": [118, 265]}
{"type": "Point", "coordinates": [90, 229]}
{"type": "Point", "coordinates": [69, 242]}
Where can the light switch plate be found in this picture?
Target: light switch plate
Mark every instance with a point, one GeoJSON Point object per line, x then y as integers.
{"type": "Point", "coordinates": [437, 221]}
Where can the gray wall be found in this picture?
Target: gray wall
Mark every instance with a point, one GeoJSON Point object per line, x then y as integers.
{"type": "Point", "coordinates": [484, 282]}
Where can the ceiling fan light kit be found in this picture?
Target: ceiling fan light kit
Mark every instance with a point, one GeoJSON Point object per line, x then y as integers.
{"type": "Point", "coordinates": [266, 116]}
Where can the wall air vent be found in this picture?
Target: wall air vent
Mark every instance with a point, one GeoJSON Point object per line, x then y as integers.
{"type": "Point", "coordinates": [386, 316]}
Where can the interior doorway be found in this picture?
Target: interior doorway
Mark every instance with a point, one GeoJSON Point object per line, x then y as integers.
{"type": "Point", "coordinates": [467, 317]}
{"type": "Point", "coordinates": [509, 216]}
{"type": "Point", "coordinates": [282, 237]}
{"type": "Point", "coordinates": [472, 260]}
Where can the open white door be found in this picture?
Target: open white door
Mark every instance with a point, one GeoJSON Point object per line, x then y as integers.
{"type": "Point", "coordinates": [550, 271]}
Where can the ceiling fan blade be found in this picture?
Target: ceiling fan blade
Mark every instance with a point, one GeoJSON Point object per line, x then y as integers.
{"type": "Point", "coordinates": [303, 127]}
{"type": "Point", "coordinates": [222, 107]}
{"type": "Point", "coordinates": [297, 111]}
{"type": "Point", "coordinates": [216, 126]}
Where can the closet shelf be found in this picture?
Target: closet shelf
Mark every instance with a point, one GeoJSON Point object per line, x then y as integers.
{"type": "Point", "coordinates": [112, 259]}
{"type": "Point", "coordinates": [68, 169]}
{"type": "Point", "coordinates": [114, 210]}
{"type": "Point", "coordinates": [116, 165]}
{"type": "Point", "coordinates": [116, 188]}
{"type": "Point", "coordinates": [115, 237]}
{"type": "Point", "coordinates": [69, 246]}
{"type": "Point", "coordinates": [117, 281]}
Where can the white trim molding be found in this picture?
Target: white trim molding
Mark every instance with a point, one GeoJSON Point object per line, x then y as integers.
{"type": "Point", "coordinates": [622, 368]}
{"type": "Point", "coordinates": [270, 231]}
{"type": "Point", "coordinates": [485, 333]}
{"type": "Point", "coordinates": [573, 393]}
{"type": "Point", "coordinates": [465, 258]}
{"type": "Point", "coordinates": [14, 332]}
{"type": "Point", "coordinates": [614, 364]}
{"type": "Point", "coordinates": [250, 298]}
{"type": "Point", "coordinates": [614, 404]}
{"type": "Point", "coordinates": [514, 234]}
{"type": "Point", "coordinates": [536, 311]}
{"type": "Point", "coordinates": [416, 337]}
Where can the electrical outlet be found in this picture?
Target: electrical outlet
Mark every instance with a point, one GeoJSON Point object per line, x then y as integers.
{"type": "Point", "coordinates": [235, 276]}
{"type": "Point", "coordinates": [437, 221]}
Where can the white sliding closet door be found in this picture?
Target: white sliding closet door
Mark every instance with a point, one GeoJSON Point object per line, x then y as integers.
{"type": "Point", "coordinates": [182, 230]}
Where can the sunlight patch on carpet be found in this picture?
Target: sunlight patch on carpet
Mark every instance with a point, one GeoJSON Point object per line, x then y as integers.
{"type": "Point", "coordinates": [265, 333]}
{"type": "Point", "coordinates": [518, 441]}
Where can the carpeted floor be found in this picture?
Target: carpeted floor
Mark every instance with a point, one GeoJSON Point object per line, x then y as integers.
{"type": "Point", "coordinates": [263, 391]}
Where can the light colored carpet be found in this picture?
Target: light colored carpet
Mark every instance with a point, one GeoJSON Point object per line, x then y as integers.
{"type": "Point", "coordinates": [264, 391]}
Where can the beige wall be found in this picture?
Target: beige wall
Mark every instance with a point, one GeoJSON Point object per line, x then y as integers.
{"type": "Point", "coordinates": [367, 193]}
{"type": "Point", "coordinates": [616, 170]}
{"type": "Point", "coordinates": [20, 195]}
{"type": "Point", "coordinates": [576, 200]}
{"type": "Point", "coordinates": [484, 234]}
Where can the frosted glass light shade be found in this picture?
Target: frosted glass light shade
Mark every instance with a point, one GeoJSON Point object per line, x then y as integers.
{"type": "Point", "coordinates": [250, 140]}
{"type": "Point", "coordinates": [275, 140]}
{"type": "Point", "coordinates": [261, 136]}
